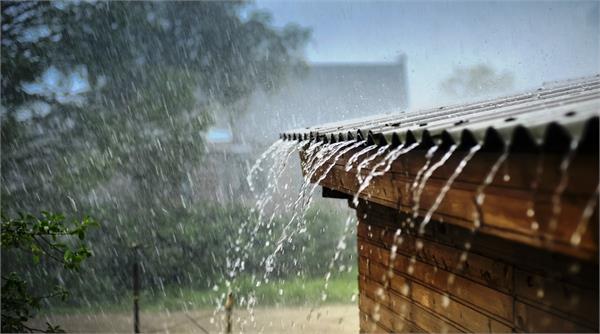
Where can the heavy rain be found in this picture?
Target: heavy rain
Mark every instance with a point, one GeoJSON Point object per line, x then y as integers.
{"type": "Point", "coordinates": [271, 167]}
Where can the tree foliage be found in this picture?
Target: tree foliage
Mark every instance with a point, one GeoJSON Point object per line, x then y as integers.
{"type": "Point", "coordinates": [103, 109]}
{"type": "Point", "coordinates": [477, 80]}
{"type": "Point", "coordinates": [45, 238]}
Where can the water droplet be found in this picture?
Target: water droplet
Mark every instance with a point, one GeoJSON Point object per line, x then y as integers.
{"type": "Point", "coordinates": [540, 293]}
{"type": "Point", "coordinates": [530, 212]}
{"type": "Point", "coordinates": [405, 289]}
{"type": "Point", "coordinates": [535, 226]}
{"type": "Point", "coordinates": [575, 268]}
{"type": "Point", "coordinates": [575, 239]}
{"type": "Point", "coordinates": [506, 178]}
{"type": "Point", "coordinates": [445, 301]}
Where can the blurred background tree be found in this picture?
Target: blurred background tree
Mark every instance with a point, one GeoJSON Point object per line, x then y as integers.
{"type": "Point", "coordinates": [477, 80]}
{"type": "Point", "coordinates": [103, 110]}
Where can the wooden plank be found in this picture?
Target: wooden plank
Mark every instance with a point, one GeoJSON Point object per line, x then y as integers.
{"type": "Point", "coordinates": [576, 303]}
{"type": "Point", "coordinates": [565, 268]}
{"type": "Point", "coordinates": [368, 325]}
{"type": "Point", "coordinates": [441, 304]}
{"type": "Point", "coordinates": [507, 202]}
{"type": "Point", "coordinates": [450, 308]}
{"type": "Point", "coordinates": [497, 292]}
{"type": "Point", "coordinates": [491, 272]}
{"type": "Point", "coordinates": [534, 319]}
{"type": "Point", "coordinates": [473, 293]}
{"type": "Point", "coordinates": [414, 318]}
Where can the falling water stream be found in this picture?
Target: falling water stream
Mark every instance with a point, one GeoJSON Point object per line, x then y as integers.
{"type": "Point", "coordinates": [357, 155]}
{"type": "Point", "coordinates": [365, 163]}
{"type": "Point", "coordinates": [386, 163]}
{"type": "Point", "coordinates": [480, 192]}
{"type": "Point", "coordinates": [329, 153]}
{"type": "Point", "coordinates": [426, 177]}
{"type": "Point", "coordinates": [320, 158]}
{"type": "Point", "coordinates": [587, 213]}
{"type": "Point", "coordinates": [442, 194]}
{"type": "Point", "coordinates": [562, 185]}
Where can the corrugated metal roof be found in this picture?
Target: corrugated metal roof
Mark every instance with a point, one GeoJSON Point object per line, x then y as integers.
{"type": "Point", "coordinates": [547, 118]}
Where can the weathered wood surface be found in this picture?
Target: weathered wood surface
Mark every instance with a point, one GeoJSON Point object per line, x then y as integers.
{"type": "Point", "coordinates": [433, 285]}
{"type": "Point", "coordinates": [525, 182]}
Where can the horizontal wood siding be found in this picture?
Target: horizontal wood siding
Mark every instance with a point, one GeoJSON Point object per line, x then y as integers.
{"type": "Point", "coordinates": [451, 280]}
{"type": "Point", "coordinates": [518, 188]}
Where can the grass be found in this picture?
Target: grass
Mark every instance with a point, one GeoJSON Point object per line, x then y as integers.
{"type": "Point", "coordinates": [341, 289]}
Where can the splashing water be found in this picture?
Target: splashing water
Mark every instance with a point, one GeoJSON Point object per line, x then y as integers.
{"type": "Point", "coordinates": [585, 218]}
{"type": "Point", "coordinates": [447, 186]}
{"type": "Point", "coordinates": [256, 167]}
{"type": "Point", "coordinates": [387, 161]}
{"type": "Point", "coordinates": [278, 155]}
{"type": "Point", "coordinates": [562, 185]}
{"type": "Point", "coordinates": [330, 152]}
{"type": "Point", "coordinates": [341, 245]}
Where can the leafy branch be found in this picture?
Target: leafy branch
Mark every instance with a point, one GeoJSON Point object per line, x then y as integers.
{"type": "Point", "coordinates": [46, 237]}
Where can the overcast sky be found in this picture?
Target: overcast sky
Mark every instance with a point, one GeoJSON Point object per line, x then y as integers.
{"type": "Point", "coordinates": [536, 41]}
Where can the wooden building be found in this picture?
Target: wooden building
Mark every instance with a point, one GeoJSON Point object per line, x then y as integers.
{"type": "Point", "coordinates": [501, 237]}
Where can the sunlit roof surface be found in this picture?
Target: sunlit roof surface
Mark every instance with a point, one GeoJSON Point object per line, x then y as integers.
{"type": "Point", "coordinates": [535, 118]}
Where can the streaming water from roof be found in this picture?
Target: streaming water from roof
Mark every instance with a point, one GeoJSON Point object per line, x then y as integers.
{"type": "Point", "coordinates": [336, 158]}
{"type": "Point", "coordinates": [478, 218]}
{"type": "Point", "coordinates": [426, 177]}
{"type": "Point", "coordinates": [587, 213]}
{"type": "Point", "coordinates": [277, 155]}
{"type": "Point", "coordinates": [447, 186]}
{"type": "Point", "coordinates": [480, 192]}
{"type": "Point", "coordinates": [366, 162]}
{"type": "Point", "coordinates": [377, 170]}
{"type": "Point", "coordinates": [341, 245]}
{"type": "Point", "coordinates": [328, 153]}
{"type": "Point", "coordinates": [257, 165]}
{"type": "Point", "coordinates": [357, 155]}
{"type": "Point", "coordinates": [535, 185]}
{"type": "Point", "coordinates": [562, 185]}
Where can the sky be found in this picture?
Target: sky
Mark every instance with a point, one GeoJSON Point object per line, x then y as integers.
{"type": "Point", "coordinates": [535, 41]}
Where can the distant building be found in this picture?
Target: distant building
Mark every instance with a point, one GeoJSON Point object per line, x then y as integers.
{"type": "Point", "coordinates": [324, 93]}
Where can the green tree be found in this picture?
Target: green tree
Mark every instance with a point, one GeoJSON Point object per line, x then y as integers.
{"type": "Point", "coordinates": [36, 239]}
{"type": "Point", "coordinates": [119, 127]}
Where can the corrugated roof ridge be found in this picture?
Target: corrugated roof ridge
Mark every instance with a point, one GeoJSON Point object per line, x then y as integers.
{"type": "Point", "coordinates": [487, 111]}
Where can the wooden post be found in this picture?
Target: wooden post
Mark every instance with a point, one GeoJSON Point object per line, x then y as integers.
{"type": "Point", "coordinates": [136, 291]}
{"type": "Point", "coordinates": [228, 309]}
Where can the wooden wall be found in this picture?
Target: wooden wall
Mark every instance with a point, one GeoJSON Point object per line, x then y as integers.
{"type": "Point", "coordinates": [504, 213]}
{"type": "Point", "coordinates": [498, 285]}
